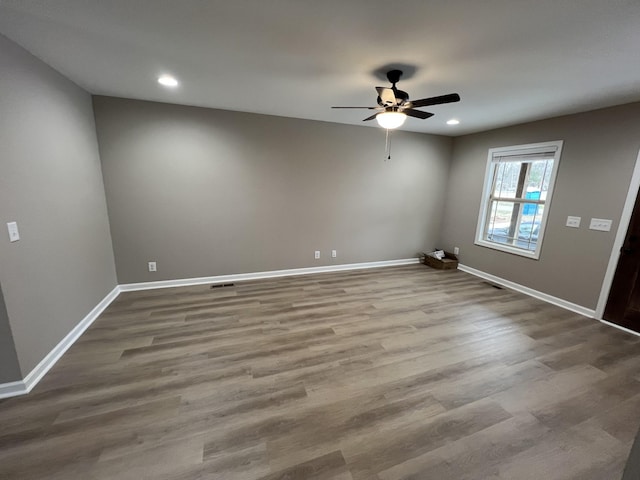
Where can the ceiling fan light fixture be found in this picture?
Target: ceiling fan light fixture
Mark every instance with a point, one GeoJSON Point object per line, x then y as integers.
{"type": "Point", "coordinates": [453, 121]}
{"type": "Point", "coordinates": [391, 120]}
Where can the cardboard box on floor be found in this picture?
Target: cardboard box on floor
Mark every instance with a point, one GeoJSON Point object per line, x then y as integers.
{"type": "Point", "coordinates": [449, 262]}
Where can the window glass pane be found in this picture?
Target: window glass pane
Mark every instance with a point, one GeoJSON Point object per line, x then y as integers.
{"type": "Point", "coordinates": [538, 180]}
{"type": "Point", "coordinates": [497, 179]}
{"type": "Point", "coordinates": [516, 230]}
{"type": "Point", "coordinates": [529, 229]}
{"type": "Point", "coordinates": [506, 179]}
{"type": "Point", "coordinates": [492, 214]}
{"type": "Point", "coordinates": [500, 221]}
{"type": "Point", "coordinates": [518, 224]}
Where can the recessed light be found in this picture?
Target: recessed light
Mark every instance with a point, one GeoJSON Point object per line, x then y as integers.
{"type": "Point", "coordinates": [453, 121]}
{"type": "Point", "coordinates": [167, 81]}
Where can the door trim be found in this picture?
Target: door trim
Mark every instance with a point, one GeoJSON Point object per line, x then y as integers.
{"type": "Point", "coordinates": [623, 225]}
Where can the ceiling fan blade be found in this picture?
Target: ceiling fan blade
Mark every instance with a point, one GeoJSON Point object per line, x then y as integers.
{"type": "Point", "coordinates": [417, 113]}
{"type": "Point", "coordinates": [368, 108]}
{"type": "Point", "coordinates": [387, 95]}
{"type": "Point", "coordinates": [370, 118]}
{"type": "Point", "coordinates": [425, 102]}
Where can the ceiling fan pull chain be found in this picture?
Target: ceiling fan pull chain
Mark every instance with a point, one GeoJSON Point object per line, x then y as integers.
{"type": "Point", "coordinates": [386, 144]}
{"type": "Point", "coordinates": [387, 147]}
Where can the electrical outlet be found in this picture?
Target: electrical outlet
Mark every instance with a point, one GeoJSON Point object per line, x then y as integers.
{"type": "Point", "coordinates": [14, 235]}
{"type": "Point", "coordinates": [317, 254]}
{"type": "Point", "coordinates": [334, 253]}
{"type": "Point", "coordinates": [601, 224]}
{"type": "Point", "coordinates": [456, 250]}
{"type": "Point", "coordinates": [573, 222]}
{"type": "Point", "coordinates": [152, 267]}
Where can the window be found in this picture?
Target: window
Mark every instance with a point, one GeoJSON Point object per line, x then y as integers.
{"type": "Point", "coordinates": [516, 197]}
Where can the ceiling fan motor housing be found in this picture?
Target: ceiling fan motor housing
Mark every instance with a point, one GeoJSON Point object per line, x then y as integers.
{"type": "Point", "coordinates": [401, 98]}
{"type": "Point", "coordinates": [394, 76]}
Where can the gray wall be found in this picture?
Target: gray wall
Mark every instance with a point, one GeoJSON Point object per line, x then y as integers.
{"type": "Point", "coordinates": [51, 184]}
{"type": "Point", "coordinates": [599, 153]}
{"type": "Point", "coordinates": [208, 192]}
{"type": "Point", "coordinates": [9, 367]}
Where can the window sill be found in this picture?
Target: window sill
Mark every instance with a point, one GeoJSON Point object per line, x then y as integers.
{"type": "Point", "coordinates": [535, 255]}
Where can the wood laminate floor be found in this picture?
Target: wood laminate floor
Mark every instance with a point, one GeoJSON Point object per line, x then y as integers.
{"type": "Point", "coordinates": [383, 374]}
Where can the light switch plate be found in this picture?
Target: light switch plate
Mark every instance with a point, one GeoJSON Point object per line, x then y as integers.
{"type": "Point", "coordinates": [573, 222]}
{"type": "Point", "coordinates": [14, 234]}
{"type": "Point", "coordinates": [600, 224]}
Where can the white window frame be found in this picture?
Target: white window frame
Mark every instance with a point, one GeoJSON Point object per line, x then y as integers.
{"type": "Point", "coordinates": [493, 159]}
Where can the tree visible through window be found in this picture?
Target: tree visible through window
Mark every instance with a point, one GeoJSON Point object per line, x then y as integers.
{"type": "Point", "coordinates": [516, 197]}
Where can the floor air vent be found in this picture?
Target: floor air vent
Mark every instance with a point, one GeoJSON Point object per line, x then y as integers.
{"type": "Point", "coordinates": [220, 285]}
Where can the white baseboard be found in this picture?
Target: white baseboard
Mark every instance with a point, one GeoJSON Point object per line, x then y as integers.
{"type": "Point", "coordinates": [587, 312]}
{"type": "Point", "coordinates": [619, 327]}
{"type": "Point", "coordinates": [23, 387]}
{"type": "Point", "coordinates": [26, 385]}
{"type": "Point", "coordinates": [183, 282]}
{"type": "Point", "coordinates": [12, 389]}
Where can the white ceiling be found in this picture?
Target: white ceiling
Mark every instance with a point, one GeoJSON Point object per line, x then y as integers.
{"type": "Point", "coordinates": [510, 60]}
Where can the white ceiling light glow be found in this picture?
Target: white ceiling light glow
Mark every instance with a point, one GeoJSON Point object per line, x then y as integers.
{"type": "Point", "coordinates": [391, 120]}
{"type": "Point", "coordinates": [167, 81]}
{"type": "Point", "coordinates": [453, 121]}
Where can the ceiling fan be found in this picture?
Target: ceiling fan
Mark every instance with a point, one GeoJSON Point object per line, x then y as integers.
{"type": "Point", "coordinates": [394, 105]}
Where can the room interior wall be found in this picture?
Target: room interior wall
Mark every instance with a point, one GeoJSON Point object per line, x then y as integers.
{"type": "Point", "coordinates": [599, 153]}
{"type": "Point", "coordinates": [51, 185]}
{"type": "Point", "coordinates": [207, 192]}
